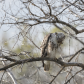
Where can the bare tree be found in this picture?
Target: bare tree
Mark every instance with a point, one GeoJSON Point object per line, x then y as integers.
{"type": "Point", "coordinates": [28, 20]}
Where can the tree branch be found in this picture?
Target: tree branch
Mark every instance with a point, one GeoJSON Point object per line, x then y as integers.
{"type": "Point", "coordinates": [64, 66]}
{"type": "Point", "coordinates": [73, 28]}
{"type": "Point", "coordinates": [48, 6]}
{"type": "Point", "coordinates": [43, 58]}
{"type": "Point", "coordinates": [73, 76]}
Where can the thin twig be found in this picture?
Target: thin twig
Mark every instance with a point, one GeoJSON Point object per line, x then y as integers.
{"type": "Point", "coordinates": [49, 7]}
{"type": "Point", "coordinates": [73, 76]}
{"type": "Point", "coordinates": [64, 66]}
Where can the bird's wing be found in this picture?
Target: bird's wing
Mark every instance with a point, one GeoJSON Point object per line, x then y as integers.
{"type": "Point", "coordinates": [44, 45]}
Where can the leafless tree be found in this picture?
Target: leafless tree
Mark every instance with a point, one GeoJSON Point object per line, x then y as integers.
{"type": "Point", "coordinates": [28, 20]}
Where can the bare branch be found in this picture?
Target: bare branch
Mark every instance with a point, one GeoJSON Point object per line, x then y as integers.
{"type": "Point", "coordinates": [45, 58]}
{"type": "Point", "coordinates": [66, 8]}
{"type": "Point", "coordinates": [64, 66]}
{"type": "Point", "coordinates": [81, 31]}
{"type": "Point", "coordinates": [73, 76]}
{"type": "Point", "coordinates": [8, 58]}
{"type": "Point", "coordinates": [49, 7]}
{"type": "Point", "coordinates": [73, 28]}
{"type": "Point", "coordinates": [2, 76]}
{"type": "Point", "coordinates": [75, 54]}
{"type": "Point", "coordinates": [39, 8]}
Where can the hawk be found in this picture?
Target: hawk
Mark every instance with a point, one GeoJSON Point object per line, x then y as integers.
{"type": "Point", "coordinates": [49, 46]}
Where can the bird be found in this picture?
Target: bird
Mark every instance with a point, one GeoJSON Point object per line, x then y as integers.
{"type": "Point", "coordinates": [49, 46]}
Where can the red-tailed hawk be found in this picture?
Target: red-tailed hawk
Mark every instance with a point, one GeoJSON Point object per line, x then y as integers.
{"type": "Point", "coordinates": [49, 46]}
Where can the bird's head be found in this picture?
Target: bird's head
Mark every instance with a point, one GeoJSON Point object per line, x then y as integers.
{"type": "Point", "coordinates": [60, 37]}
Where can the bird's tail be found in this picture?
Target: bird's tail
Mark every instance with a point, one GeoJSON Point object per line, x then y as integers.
{"type": "Point", "coordinates": [46, 65]}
